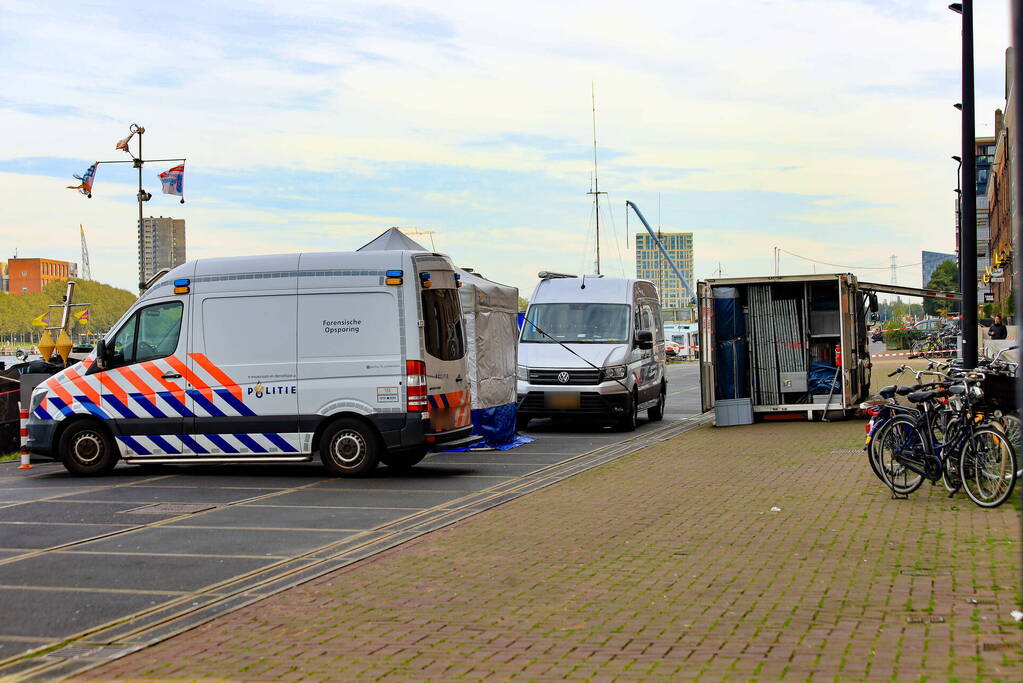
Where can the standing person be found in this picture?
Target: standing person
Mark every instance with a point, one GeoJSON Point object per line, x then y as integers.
{"type": "Point", "coordinates": [997, 329]}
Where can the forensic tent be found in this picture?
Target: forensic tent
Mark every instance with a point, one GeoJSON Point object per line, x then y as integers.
{"type": "Point", "coordinates": [491, 328]}
{"type": "Point", "coordinates": [490, 311]}
{"type": "Point", "coordinates": [392, 239]}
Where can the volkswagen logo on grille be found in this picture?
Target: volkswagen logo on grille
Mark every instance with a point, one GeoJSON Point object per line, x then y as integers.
{"type": "Point", "coordinates": [563, 377]}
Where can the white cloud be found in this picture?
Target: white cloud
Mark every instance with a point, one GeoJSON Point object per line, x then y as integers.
{"type": "Point", "coordinates": [853, 97]}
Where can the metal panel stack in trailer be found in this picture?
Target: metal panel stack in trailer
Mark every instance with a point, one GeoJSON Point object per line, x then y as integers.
{"type": "Point", "coordinates": [762, 342]}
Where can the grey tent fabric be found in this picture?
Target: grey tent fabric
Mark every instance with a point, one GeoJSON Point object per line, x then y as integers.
{"type": "Point", "coordinates": [490, 310]}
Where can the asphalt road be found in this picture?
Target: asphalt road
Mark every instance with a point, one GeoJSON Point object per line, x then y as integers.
{"type": "Point", "coordinates": [119, 561]}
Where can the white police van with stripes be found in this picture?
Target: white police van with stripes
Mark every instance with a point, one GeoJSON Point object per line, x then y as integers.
{"type": "Point", "coordinates": [359, 357]}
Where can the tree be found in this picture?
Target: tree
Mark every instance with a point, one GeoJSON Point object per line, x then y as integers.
{"type": "Point", "coordinates": [945, 277]}
{"type": "Point", "coordinates": [523, 303]}
{"type": "Point", "coordinates": [107, 304]}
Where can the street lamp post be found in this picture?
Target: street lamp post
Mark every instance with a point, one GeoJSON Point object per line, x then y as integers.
{"type": "Point", "coordinates": [959, 218]}
{"type": "Point", "coordinates": [968, 215]}
{"type": "Point", "coordinates": [1015, 150]}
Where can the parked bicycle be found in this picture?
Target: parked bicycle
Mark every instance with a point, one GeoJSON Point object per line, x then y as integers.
{"type": "Point", "coordinates": [947, 435]}
{"type": "Point", "coordinates": [937, 342]}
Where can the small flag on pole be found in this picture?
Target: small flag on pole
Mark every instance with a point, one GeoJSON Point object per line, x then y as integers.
{"type": "Point", "coordinates": [83, 317]}
{"type": "Point", "coordinates": [173, 181]}
{"type": "Point", "coordinates": [123, 144]}
{"type": "Point", "coordinates": [41, 320]}
{"type": "Point", "coordinates": [86, 179]}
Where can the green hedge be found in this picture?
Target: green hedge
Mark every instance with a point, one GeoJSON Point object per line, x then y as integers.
{"type": "Point", "coordinates": [896, 339]}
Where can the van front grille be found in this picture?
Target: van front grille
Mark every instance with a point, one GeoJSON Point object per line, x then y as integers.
{"type": "Point", "coordinates": [589, 402]}
{"type": "Point", "coordinates": [575, 377]}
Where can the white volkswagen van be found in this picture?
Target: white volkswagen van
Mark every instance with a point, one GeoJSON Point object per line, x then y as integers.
{"type": "Point", "coordinates": [359, 357]}
{"type": "Point", "coordinates": [592, 346]}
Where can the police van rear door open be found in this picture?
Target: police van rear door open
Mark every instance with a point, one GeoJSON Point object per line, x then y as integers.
{"type": "Point", "coordinates": [443, 344]}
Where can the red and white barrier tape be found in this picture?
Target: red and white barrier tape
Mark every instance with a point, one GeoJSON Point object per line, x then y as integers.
{"type": "Point", "coordinates": [911, 353]}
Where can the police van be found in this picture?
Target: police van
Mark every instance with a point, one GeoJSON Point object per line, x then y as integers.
{"type": "Point", "coordinates": [359, 357]}
{"type": "Point", "coordinates": [592, 347]}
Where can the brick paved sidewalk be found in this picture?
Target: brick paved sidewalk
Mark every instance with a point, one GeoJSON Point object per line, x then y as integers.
{"type": "Point", "coordinates": [665, 564]}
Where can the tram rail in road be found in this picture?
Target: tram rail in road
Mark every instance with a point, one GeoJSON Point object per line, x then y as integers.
{"type": "Point", "coordinates": [92, 569]}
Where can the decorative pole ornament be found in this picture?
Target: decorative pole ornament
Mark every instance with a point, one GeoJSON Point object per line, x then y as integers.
{"type": "Point", "coordinates": [172, 181]}
{"type": "Point", "coordinates": [85, 180]}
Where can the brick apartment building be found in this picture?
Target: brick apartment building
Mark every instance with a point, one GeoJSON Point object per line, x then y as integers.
{"type": "Point", "coordinates": [30, 275]}
{"type": "Point", "coordinates": [999, 274]}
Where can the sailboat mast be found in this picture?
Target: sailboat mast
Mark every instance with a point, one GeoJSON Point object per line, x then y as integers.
{"type": "Point", "coordinates": [596, 184]}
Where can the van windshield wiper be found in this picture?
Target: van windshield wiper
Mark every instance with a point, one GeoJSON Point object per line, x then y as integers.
{"type": "Point", "coordinates": [562, 345]}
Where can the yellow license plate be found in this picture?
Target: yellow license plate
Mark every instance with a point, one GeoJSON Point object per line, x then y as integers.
{"type": "Point", "coordinates": [559, 401]}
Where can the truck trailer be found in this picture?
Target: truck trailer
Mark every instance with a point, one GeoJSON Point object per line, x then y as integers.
{"type": "Point", "coordinates": [788, 344]}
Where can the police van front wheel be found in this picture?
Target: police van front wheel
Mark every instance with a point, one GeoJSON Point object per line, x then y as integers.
{"type": "Point", "coordinates": [86, 448]}
{"type": "Point", "coordinates": [349, 448]}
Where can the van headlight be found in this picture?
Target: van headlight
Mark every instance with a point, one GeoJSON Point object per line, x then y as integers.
{"type": "Point", "coordinates": [522, 372]}
{"type": "Point", "coordinates": [612, 372]}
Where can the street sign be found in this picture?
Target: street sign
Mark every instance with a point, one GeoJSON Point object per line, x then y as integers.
{"type": "Point", "coordinates": [998, 279]}
{"type": "Point", "coordinates": [989, 297]}
{"type": "Point", "coordinates": [997, 272]}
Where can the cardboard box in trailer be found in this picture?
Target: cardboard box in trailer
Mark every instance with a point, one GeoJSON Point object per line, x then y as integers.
{"type": "Point", "coordinates": [785, 344]}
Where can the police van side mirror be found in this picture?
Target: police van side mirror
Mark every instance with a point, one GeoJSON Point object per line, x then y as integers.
{"type": "Point", "coordinates": [102, 362]}
{"type": "Point", "coordinates": [644, 339]}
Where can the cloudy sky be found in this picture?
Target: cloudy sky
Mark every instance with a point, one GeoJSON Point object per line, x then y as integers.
{"type": "Point", "coordinates": [824, 128]}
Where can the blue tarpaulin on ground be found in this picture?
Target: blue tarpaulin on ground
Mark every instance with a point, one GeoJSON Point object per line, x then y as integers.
{"type": "Point", "coordinates": [517, 440]}
{"type": "Point", "coordinates": [496, 425]}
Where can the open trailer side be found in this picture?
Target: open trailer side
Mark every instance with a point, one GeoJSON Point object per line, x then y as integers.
{"type": "Point", "coordinates": [792, 344]}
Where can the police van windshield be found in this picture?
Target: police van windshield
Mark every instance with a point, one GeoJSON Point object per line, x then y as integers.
{"type": "Point", "coordinates": [578, 323]}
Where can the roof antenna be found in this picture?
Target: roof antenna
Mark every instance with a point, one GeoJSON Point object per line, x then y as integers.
{"type": "Point", "coordinates": [584, 282]}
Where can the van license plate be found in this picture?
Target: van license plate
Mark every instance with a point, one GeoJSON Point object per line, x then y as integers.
{"type": "Point", "coordinates": [562, 401]}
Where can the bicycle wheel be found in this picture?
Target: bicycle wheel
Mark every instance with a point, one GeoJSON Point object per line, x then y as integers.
{"type": "Point", "coordinates": [950, 460]}
{"type": "Point", "coordinates": [1013, 429]}
{"type": "Point", "coordinates": [987, 466]}
{"type": "Point", "coordinates": [875, 464]}
{"type": "Point", "coordinates": [899, 436]}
